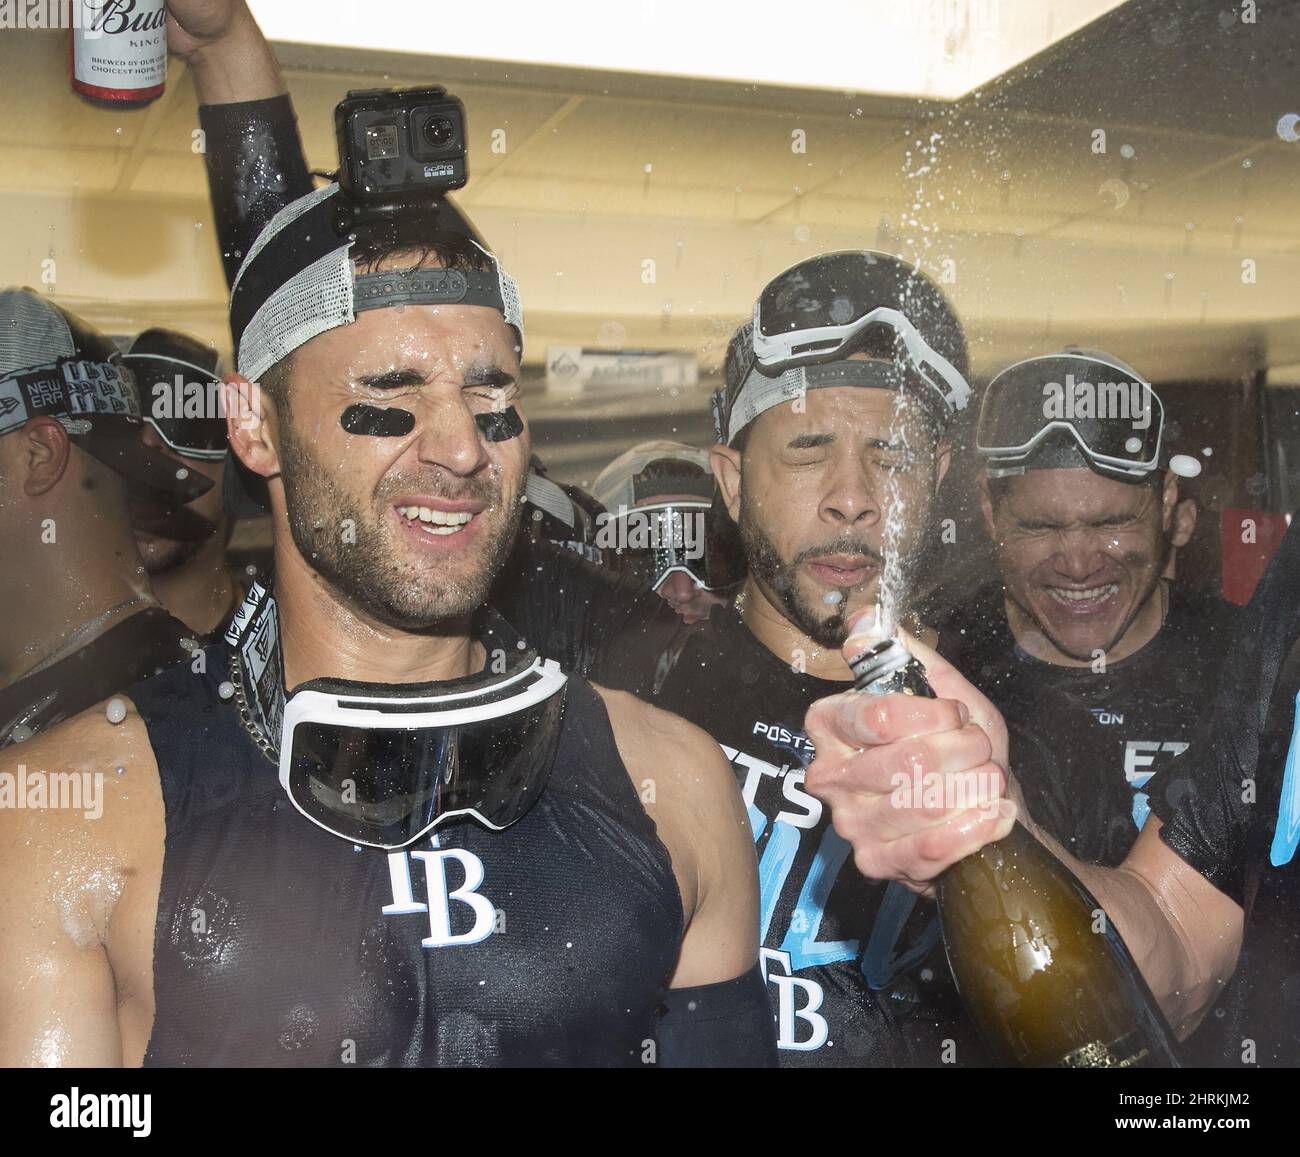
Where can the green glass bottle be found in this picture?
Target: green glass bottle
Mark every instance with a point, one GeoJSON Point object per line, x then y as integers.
{"type": "Point", "coordinates": [1042, 972]}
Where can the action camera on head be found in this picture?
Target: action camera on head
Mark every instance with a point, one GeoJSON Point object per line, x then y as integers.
{"type": "Point", "coordinates": [399, 148]}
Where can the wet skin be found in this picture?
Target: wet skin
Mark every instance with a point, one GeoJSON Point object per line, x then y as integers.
{"type": "Point", "coordinates": [1081, 557]}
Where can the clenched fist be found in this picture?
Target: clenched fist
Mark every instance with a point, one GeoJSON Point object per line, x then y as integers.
{"type": "Point", "coordinates": [913, 784]}
{"type": "Point", "coordinates": [193, 24]}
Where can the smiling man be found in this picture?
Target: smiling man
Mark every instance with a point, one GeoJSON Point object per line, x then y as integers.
{"type": "Point", "coordinates": [1100, 665]}
{"type": "Point", "coordinates": [833, 440]}
{"type": "Point", "coordinates": [371, 827]}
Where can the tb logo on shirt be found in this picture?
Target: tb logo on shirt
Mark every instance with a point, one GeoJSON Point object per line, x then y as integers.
{"type": "Point", "coordinates": [440, 895]}
{"type": "Point", "coordinates": [798, 999]}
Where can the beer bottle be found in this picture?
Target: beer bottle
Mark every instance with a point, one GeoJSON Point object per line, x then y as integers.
{"type": "Point", "coordinates": [118, 51]}
{"type": "Point", "coordinates": [1042, 971]}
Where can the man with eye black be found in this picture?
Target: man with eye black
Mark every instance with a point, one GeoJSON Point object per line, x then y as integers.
{"type": "Point", "coordinates": [853, 970]}
{"type": "Point", "coordinates": [373, 825]}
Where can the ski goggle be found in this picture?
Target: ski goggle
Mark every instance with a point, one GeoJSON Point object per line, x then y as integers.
{"type": "Point", "coordinates": [660, 539]}
{"type": "Point", "coordinates": [785, 363]}
{"type": "Point", "coordinates": [821, 311]}
{"type": "Point", "coordinates": [171, 389]}
{"type": "Point", "coordinates": [1114, 417]}
{"type": "Point", "coordinates": [782, 349]}
{"type": "Point", "coordinates": [381, 765]}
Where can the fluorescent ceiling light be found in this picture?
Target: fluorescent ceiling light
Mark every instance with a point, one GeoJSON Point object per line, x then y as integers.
{"type": "Point", "coordinates": [925, 48]}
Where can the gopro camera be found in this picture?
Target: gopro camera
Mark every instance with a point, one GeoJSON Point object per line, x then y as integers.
{"type": "Point", "coordinates": [398, 146]}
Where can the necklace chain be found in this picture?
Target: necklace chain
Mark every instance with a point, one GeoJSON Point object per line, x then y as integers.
{"type": "Point", "coordinates": [255, 733]}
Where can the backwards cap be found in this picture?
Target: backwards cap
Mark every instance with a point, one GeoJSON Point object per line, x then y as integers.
{"type": "Point", "coordinates": [621, 483]}
{"type": "Point", "coordinates": [299, 281]}
{"type": "Point", "coordinates": [53, 364]}
{"type": "Point", "coordinates": [923, 351]}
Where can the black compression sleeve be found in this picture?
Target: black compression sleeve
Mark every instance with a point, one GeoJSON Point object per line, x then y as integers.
{"type": "Point", "coordinates": [726, 1025]}
{"type": "Point", "coordinates": [255, 168]}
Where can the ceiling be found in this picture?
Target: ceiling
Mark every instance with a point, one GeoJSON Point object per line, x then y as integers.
{"type": "Point", "coordinates": [1178, 247]}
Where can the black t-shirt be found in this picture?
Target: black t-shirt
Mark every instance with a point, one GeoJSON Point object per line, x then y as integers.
{"type": "Point", "coordinates": [1232, 810]}
{"type": "Point", "coordinates": [1085, 744]}
{"type": "Point", "coordinates": [127, 652]}
{"type": "Point", "coordinates": [854, 967]}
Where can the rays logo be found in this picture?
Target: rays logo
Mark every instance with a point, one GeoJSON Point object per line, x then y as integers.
{"type": "Point", "coordinates": [441, 895]}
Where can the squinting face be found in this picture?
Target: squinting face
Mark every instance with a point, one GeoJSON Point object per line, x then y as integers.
{"type": "Point", "coordinates": [1080, 554]}
{"type": "Point", "coordinates": [410, 528]}
{"type": "Point", "coordinates": [818, 490]}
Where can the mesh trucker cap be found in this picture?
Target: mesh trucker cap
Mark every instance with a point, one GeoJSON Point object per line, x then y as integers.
{"type": "Point", "coordinates": [53, 364]}
{"type": "Point", "coordinates": [298, 280]}
{"type": "Point", "coordinates": [810, 319]}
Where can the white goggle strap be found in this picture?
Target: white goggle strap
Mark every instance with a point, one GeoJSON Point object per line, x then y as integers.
{"type": "Point", "coordinates": [1008, 456]}
{"type": "Point", "coordinates": [512, 303]}
{"type": "Point", "coordinates": [951, 386]}
{"type": "Point", "coordinates": [185, 451]}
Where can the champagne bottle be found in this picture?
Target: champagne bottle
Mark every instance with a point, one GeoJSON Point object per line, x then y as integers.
{"type": "Point", "coordinates": [1043, 973]}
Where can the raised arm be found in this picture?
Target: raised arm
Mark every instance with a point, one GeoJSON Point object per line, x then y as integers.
{"type": "Point", "coordinates": [252, 149]}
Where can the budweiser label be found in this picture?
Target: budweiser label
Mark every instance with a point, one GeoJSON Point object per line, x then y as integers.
{"type": "Point", "coordinates": [120, 45]}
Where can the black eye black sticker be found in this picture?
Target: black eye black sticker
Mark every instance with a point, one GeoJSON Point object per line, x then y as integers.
{"type": "Point", "coordinates": [500, 425]}
{"type": "Point", "coordinates": [394, 422]}
{"type": "Point", "coordinates": [377, 421]}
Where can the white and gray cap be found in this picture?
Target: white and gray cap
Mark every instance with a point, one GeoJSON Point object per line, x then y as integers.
{"type": "Point", "coordinates": [55, 365]}
{"type": "Point", "coordinates": [622, 482]}
{"type": "Point", "coordinates": [298, 280]}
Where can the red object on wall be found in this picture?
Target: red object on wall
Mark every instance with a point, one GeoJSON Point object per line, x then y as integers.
{"type": "Point", "coordinates": [1244, 562]}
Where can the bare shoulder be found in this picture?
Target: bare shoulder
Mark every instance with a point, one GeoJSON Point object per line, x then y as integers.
{"type": "Point", "coordinates": [665, 748]}
{"type": "Point", "coordinates": [688, 787]}
{"type": "Point", "coordinates": [689, 790]}
{"type": "Point", "coordinates": [80, 807]}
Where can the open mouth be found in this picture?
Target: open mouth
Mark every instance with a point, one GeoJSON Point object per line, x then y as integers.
{"type": "Point", "coordinates": [435, 523]}
{"type": "Point", "coordinates": [1083, 600]}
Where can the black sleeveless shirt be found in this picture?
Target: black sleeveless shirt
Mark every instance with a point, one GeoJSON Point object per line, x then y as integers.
{"type": "Point", "coordinates": [277, 943]}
